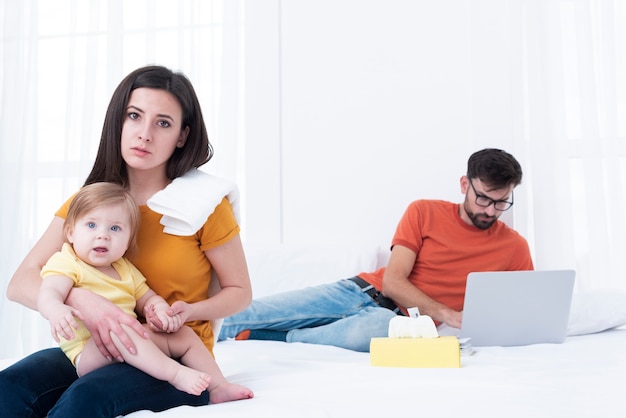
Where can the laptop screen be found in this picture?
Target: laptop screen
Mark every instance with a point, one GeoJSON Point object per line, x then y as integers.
{"type": "Point", "coordinates": [517, 307]}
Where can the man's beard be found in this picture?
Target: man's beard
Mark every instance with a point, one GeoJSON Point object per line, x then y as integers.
{"type": "Point", "coordinates": [477, 221]}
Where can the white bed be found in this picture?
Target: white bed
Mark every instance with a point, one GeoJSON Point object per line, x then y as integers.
{"type": "Point", "coordinates": [583, 377]}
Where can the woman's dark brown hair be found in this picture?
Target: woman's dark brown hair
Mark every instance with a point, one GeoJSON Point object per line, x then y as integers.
{"type": "Point", "coordinates": [109, 165]}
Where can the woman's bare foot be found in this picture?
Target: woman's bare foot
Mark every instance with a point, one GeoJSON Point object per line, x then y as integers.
{"type": "Point", "coordinates": [227, 392]}
{"type": "Point", "coordinates": [190, 381]}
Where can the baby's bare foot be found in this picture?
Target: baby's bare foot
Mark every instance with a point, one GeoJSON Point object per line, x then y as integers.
{"type": "Point", "coordinates": [227, 392]}
{"type": "Point", "coordinates": [191, 381]}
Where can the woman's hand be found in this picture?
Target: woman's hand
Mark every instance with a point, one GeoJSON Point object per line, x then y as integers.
{"type": "Point", "coordinates": [181, 309]}
{"type": "Point", "coordinates": [102, 317]}
{"type": "Point", "coordinates": [162, 320]}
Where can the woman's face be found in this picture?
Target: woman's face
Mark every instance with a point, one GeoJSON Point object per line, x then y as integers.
{"type": "Point", "coordinates": [152, 129]}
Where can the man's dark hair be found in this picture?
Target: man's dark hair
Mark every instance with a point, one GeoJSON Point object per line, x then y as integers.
{"type": "Point", "coordinates": [494, 167]}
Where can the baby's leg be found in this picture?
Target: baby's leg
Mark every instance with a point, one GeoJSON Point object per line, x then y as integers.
{"type": "Point", "coordinates": [152, 358]}
{"type": "Point", "coordinates": [187, 346]}
{"type": "Point", "coordinates": [90, 359]}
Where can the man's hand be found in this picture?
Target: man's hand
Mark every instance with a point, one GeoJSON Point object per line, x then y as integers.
{"type": "Point", "coordinates": [452, 318]}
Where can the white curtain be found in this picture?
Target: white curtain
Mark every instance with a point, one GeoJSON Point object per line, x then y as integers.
{"type": "Point", "coordinates": [571, 114]}
{"type": "Point", "coordinates": [59, 63]}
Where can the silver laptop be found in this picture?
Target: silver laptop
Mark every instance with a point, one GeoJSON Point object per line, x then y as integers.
{"type": "Point", "coordinates": [517, 307]}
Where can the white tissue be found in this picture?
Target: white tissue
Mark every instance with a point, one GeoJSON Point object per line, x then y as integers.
{"type": "Point", "coordinates": [405, 327]}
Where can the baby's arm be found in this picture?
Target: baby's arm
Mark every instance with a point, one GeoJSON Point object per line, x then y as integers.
{"type": "Point", "coordinates": [51, 304]}
{"type": "Point", "coordinates": [156, 311]}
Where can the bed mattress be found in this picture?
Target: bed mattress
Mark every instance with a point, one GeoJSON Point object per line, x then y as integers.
{"type": "Point", "coordinates": [583, 377]}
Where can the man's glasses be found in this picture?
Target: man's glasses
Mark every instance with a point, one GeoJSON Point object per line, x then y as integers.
{"type": "Point", "coordinates": [485, 201]}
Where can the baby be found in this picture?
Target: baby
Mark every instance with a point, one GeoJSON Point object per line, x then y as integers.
{"type": "Point", "coordinates": [101, 225]}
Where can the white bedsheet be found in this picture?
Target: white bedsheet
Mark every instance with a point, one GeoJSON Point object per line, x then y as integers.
{"type": "Point", "coordinates": [583, 377]}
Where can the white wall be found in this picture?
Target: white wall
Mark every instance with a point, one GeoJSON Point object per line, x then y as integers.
{"type": "Point", "coordinates": [355, 108]}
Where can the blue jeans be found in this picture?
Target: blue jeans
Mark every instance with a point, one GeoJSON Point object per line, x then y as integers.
{"type": "Point", "coordinates": [46, 383]}
{"type": "Point", "coordinates": [338, 314]}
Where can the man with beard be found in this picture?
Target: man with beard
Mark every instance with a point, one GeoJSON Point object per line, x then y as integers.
{"type": "Point", "coordinates": [435, 246]}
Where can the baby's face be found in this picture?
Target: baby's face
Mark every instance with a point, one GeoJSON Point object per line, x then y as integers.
{"type": "Point", "coordinates": [101, 236]}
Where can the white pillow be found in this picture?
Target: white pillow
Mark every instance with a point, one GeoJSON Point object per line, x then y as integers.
{"type": "Point", "coordinates": [277, 268]}
{"type": "Point", "coordinates": [596, 311]}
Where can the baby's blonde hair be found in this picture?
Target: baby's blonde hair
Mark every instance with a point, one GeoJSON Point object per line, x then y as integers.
{"type": "Point", "coordinates": [103, 194]}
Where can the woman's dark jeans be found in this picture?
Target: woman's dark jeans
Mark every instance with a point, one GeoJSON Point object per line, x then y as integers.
{"type": "Point", "coordinates": [46, 383]}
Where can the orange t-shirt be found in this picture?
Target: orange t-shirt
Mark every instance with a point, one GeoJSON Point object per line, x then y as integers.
{"type": "Point", "coordinates": [176, 267]}
{"type": "Point", "coordinates": [448, 250]}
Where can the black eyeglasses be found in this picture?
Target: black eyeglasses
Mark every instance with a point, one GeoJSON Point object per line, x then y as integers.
{"type": "Point", "coordinates": [485, 201]}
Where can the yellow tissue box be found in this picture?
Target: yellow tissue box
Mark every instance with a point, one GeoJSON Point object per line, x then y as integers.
{"type": "Point", "coordinates": [437, 352]}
